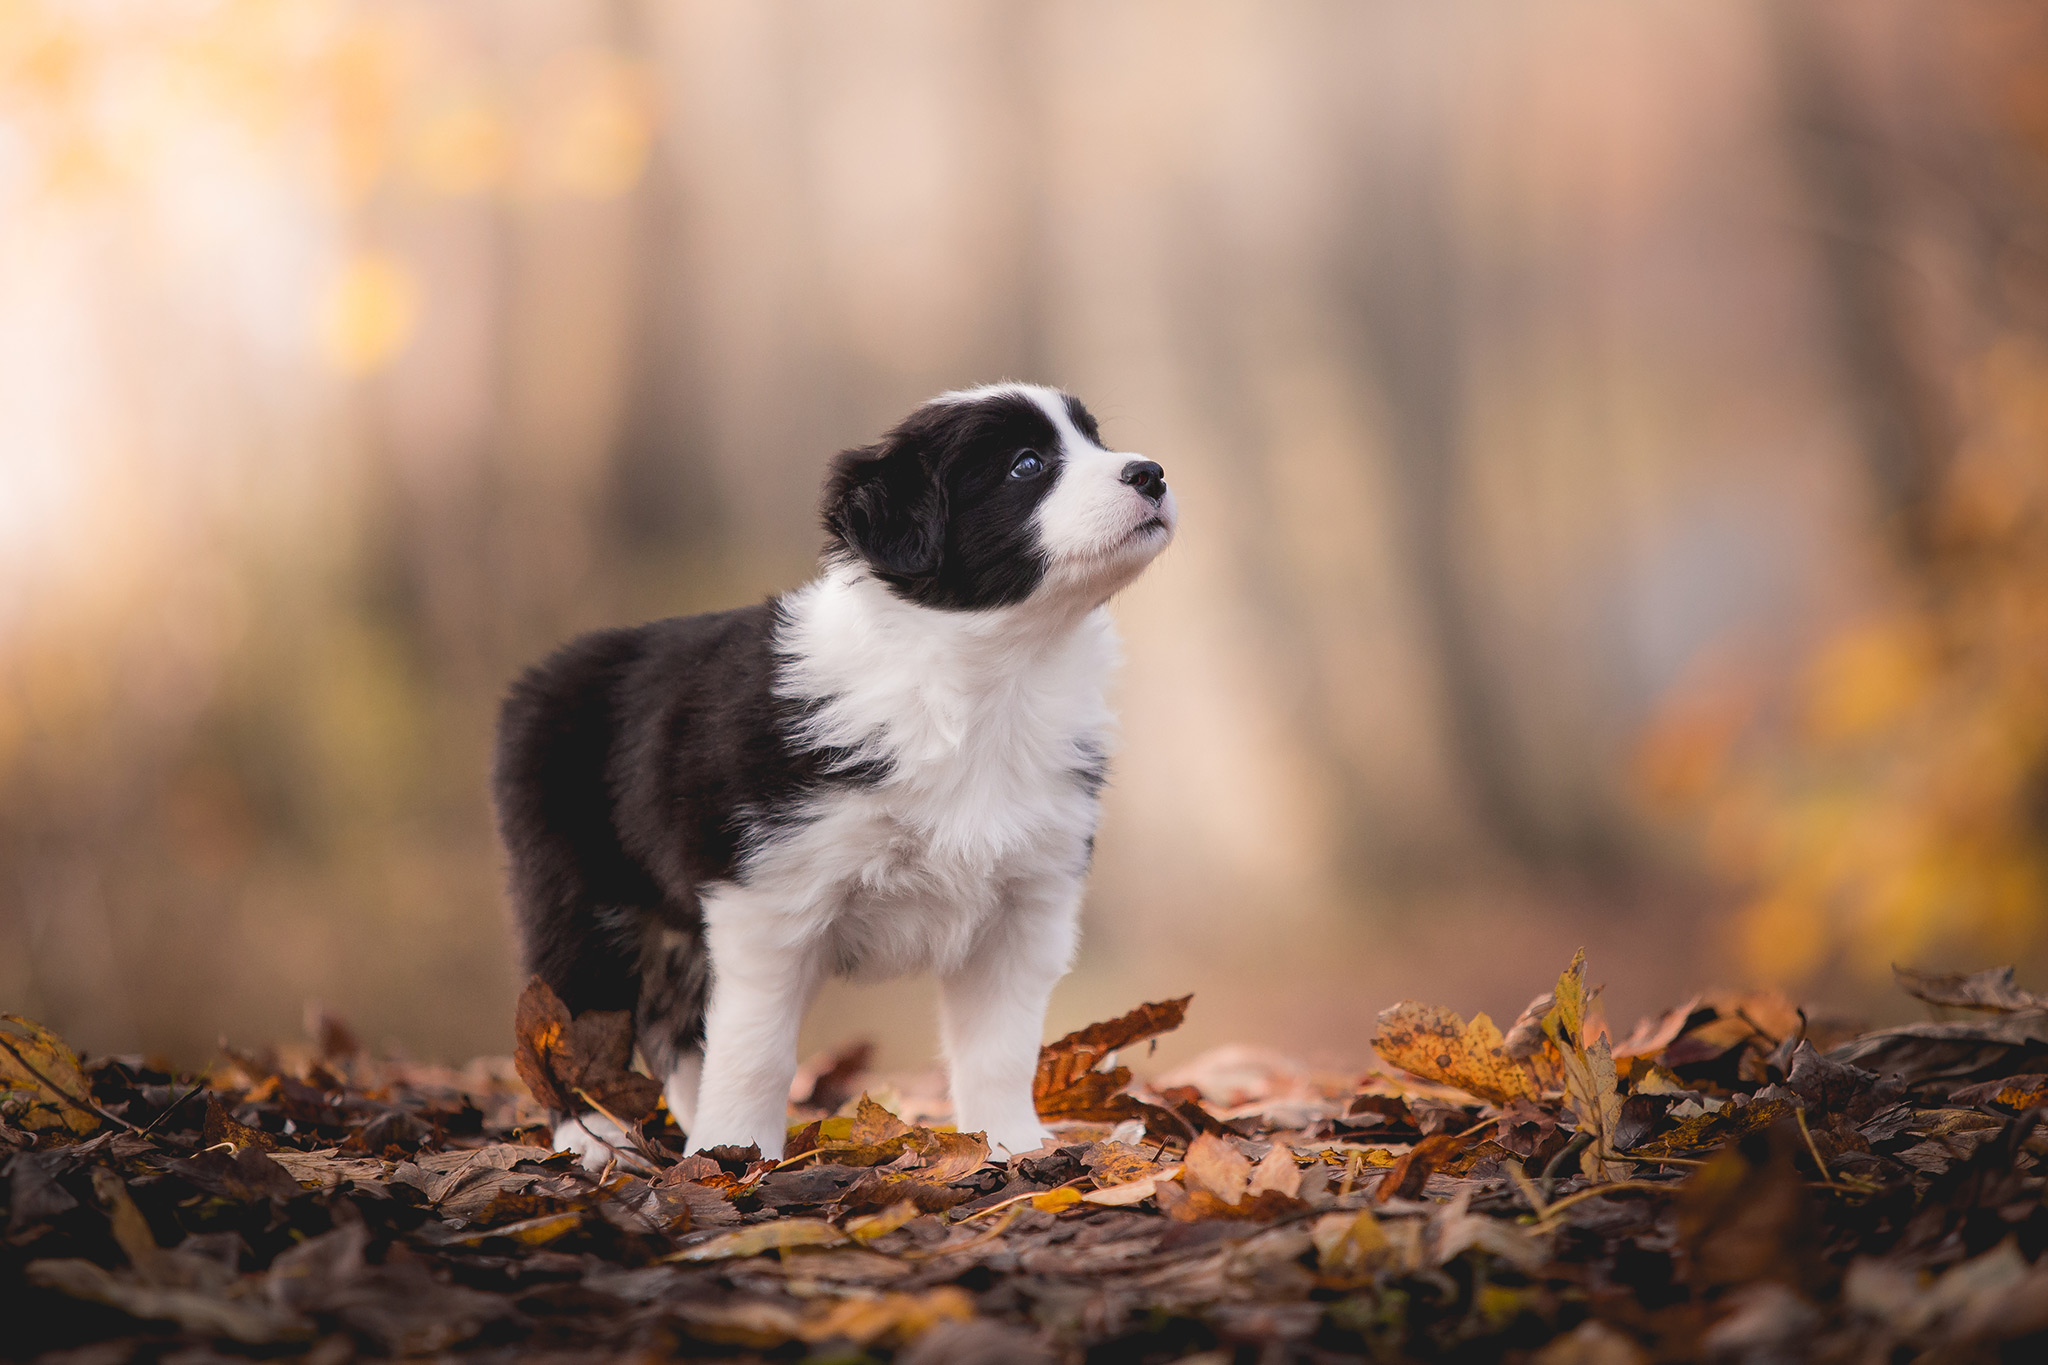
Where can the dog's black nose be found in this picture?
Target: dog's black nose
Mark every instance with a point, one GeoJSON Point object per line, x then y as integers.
{"type": "Point", "coordinates": [1147, 477]}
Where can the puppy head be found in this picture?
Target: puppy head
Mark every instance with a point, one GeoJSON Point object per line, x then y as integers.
{"type": "Point", "coordinates": [986, 497]}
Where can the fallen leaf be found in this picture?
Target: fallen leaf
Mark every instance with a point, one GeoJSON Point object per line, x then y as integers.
{"type": "Point", "coordinates": [868, 1226]}
{"type": "Point", "coordinates": [1705, 1132]}
{"type": "Point", "coordinates": [1199, 1205]}
{"type": "Point", "coordinates": [1440, 1046]}
{"type": "Point", "coordinates": [1955, 1050]}
{"type": "Point", "coordinates": [877, 1137]}
{"type": "Point", "coordinates": [893, 1317]}
{"type": "Point", "coordinates": [1056, 1200]}
{"type": "Point", "coordinates": [1454, 1229]}
{"type": "Point", "coordinates": [1067, 1084]}
{"type": "Point", "coordinates": [1652, 1036]}
{"type": "Point", "coordinates": [1591, 1086]}
{"type": "Point", "coordinates": [221, 1126]}
{"type": "Point", "coordinates": [1413, 1168]}
{"type": "Point", "coordinates": [250, 1321]}
{"type": "Point", "coordinates": [1277, 1172]}
{"type": "Point", "coordinates": [531, 1232]}
{"type": "Point", "coordinates": [1993, 991]}
{"type": "Point", "coordinates": [1349, 1246]}
{"type": "Point", "coordinates": [564, 1060]}
{"type": "Point", "coordinates": [1114, 1163]}
{"type": "Point", "coordinates": [880, 1189]}
{"type": "Point", "coordinates": [38, 1064]}
{"type": "Point", "coordinates": [1217, 1167]}
{"type": "Point", "coordinates": [2012, 1092]}
{"type": "Point", "coordinates": [873, 1125]}
{"type": "Point", "coordinates": [762, 1238]}
{"type": "Point", "coordinates": [1133, 1191]}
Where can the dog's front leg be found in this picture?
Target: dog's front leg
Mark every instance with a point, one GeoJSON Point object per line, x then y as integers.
{"type": "Point", "coordinates": [992, 1014]}
{"type": "Point", "coordinates": [762, 980]}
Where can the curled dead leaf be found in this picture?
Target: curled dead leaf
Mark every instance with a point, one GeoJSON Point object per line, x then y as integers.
{"type": "Point", "coordinates": [1068, 1086]}
{"type": "Point", "coordinates": [1992, 992]}
{"type": "Point", "coordinates": [563, 1060]}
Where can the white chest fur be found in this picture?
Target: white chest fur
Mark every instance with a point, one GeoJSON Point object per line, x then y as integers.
{"type": "Point", "coordinates": [982, 723]}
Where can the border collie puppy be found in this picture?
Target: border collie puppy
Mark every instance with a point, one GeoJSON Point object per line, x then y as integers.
{"type": "Point", "coordinates": [892, 769]}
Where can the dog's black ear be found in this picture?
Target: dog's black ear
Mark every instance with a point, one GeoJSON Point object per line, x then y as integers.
{"type": "Point", "coordinates": [886, 507]}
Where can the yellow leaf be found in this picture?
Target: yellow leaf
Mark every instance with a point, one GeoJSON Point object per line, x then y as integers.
{"type": "Point", "coordinates": [532, 1232]}
{"type": "Point", "coordinates": [868, 1227]}
{"type": "Point", "coordinates": [1438, 1045]}
{"type": "Point", "coordinates": [38, 1062]}
{"type": "Point", "coordinates": [1053, 1201]}
{"type": "Point", "coordinates": [1590, 1080]}
{"type": "Point", "coordinates": [898, 1317]}
{"type": "Point", "coordinates": [763, 1237]}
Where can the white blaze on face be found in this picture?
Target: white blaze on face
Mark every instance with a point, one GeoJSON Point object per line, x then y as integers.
{"type": "Point", "coordinates": [1089, 524]}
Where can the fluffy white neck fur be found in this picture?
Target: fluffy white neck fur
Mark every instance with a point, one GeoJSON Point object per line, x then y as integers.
{"type": "Point", "coordinates": [918, 685]}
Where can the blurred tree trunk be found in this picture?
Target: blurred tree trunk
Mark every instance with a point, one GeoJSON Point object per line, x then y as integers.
{"type": "Point", "coordinates": [1407, 302]}
{"type": "Point", "coordinates": [1899, 419]}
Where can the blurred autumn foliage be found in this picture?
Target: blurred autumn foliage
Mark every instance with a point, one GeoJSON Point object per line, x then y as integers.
{"type": "Point", "coordinates": [1892, 803]}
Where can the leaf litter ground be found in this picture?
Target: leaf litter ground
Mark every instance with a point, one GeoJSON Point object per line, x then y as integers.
{"type": "Point", "coordinates": [1734, 1180]}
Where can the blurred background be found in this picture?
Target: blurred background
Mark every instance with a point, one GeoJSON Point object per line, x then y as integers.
{"type": "Point", "coordinates": [1613, 444]}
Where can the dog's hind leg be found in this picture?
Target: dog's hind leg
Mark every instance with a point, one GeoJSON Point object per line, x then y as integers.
{"type": "Point", "coordinates": [675, 982]}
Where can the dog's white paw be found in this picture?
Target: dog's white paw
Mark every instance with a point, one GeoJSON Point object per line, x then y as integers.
{"type": "Point", "coordinates": [597, 1142]}
{"type": "Point", "coordinates": [1019, 1142]}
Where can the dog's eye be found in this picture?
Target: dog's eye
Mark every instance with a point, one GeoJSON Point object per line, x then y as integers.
{"type": "Point", "coordinates": [1028, 464]}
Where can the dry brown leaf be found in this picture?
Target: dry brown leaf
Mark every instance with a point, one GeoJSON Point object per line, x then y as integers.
{"type": "Point", "coordinates": [1440, 1046]}
{"type": "Point", "coordinates": [1277, 1172]}
{"type": "Point", "coordinates": [1201, 1206]}
{"type": "Point", "coordinates": [558, 1057]}
{"type": "Point", "coordinates": [1068, 1086]}
{"type": "Point", "coordinates": [763, 1237]}
{"type": "Point", "coordinates": [947, 1156]}
{"type": "Point", "coordinates": [873, 1125]}
{"type": "Point", "coordinates": [1412, 1170]}
{"type": "Point", "coordinates": [1114, 1163]}
{"type": "Point", "coordinates": [1134, 1191]}
{"type": "Point", "coordinates": [2013, 1092]}
{"type": "Point", "coordinates": [1704, 1132]}
{"type": "Point", "coordinates": [879, 1138]}
{"type": "Point", "coordinates": [880, 1189]}
{"type": "Point", "coordinates": [1992, 992]}
{"type": "Point", "coordinates": [220, 1126]}
{"type": "Point", "coordinates": [1217, 1167]}
{"type": "Point", "coordinates": [893, 1317]}
{"type": "Point", "coordinates": [1349, 1246]}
